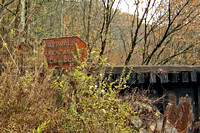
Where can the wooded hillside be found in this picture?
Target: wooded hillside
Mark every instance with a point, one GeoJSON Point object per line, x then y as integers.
{"type": "Point", "coordinates": [34, 98]}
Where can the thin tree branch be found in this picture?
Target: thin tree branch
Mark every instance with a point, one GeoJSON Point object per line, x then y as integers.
{"type": "Point", "coordinates": [174, 55]}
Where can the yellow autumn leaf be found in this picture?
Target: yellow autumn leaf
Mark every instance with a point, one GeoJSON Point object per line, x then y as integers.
{"type": "Point", "coordinates": [4, 44]}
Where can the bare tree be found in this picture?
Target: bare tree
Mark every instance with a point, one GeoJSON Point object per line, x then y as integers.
{"type": "Point", "coordinates": [157, 25]}
{"type": "Point", "coordinates": [109, 13]}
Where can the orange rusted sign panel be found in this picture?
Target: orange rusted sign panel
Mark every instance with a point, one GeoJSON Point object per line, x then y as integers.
{"type": "Point", "coordinates": [65, 51]}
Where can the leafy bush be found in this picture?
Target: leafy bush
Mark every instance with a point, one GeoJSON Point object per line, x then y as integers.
{"type": "Point", "coordinates": [37, 101]}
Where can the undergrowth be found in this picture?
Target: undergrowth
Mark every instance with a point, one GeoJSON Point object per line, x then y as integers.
{"type": "Point", "coordinates": [38, 101]}
{"type": "Point", "coordinates": [79, 99]}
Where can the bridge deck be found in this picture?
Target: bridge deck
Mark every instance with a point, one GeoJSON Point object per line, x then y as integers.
{"type": "Point", "coordinates": [143, 68]}
{"type": "Point", "coordinates": [180, 80]}
{"type": "Point", "coordinates": [154, 74]}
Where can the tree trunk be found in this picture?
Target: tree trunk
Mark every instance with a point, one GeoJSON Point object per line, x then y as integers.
{"type": "Point", "coordinates": [61, 18]}
{"type": "Point", "coordinates": [22, 17]}
{"type": "Point", "coordinates": [22, 36]}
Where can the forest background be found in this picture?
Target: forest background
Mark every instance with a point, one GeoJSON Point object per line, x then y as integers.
{"type": "Point", "coordinates": [158, 32]}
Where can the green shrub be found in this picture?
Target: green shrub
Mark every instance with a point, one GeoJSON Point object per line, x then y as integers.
{"type": "Point", "coordinates": [72, 102]}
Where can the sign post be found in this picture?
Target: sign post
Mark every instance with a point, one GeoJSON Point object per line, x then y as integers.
{"type": "Point", "coordinates": [65, 52]}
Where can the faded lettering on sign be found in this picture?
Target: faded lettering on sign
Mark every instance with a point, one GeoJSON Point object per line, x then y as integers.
{"type": "Point", "coordinates": [65, 51]}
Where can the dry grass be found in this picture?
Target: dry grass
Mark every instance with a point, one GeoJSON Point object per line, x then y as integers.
{"type": "Point", "coordinates": [36, 101]}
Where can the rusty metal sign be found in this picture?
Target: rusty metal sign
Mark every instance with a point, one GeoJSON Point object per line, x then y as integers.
{"type": "Point", "coordinates": [65, 51]}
